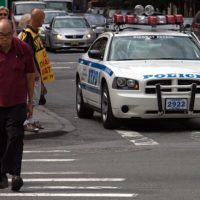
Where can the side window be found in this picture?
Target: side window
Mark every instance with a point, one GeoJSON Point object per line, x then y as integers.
{"type": "Point", "coordinates": [100, 44]}
{"type": "Point", "coordinates": [198, 17]}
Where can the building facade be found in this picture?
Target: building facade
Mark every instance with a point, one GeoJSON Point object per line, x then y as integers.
{"type": "Point", "coordinates": [186, 7]}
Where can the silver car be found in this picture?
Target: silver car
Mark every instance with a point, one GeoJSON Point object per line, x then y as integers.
{"type": "Point", "coordinates": [49, 15]}
{"type": "Point", "coordinates": [67, 32]}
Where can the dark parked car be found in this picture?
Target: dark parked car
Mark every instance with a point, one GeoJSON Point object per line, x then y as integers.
{"type": "Point", "coordinates": [97, 22]}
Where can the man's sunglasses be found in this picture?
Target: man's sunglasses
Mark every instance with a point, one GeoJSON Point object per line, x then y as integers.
{"type": "Point", "coordinates": [3, 14]}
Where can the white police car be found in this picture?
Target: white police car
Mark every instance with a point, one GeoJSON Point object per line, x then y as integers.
{"type": "Point", "coordinates": [140, 73]}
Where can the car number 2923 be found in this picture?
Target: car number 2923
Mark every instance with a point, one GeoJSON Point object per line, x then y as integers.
{"type": "Point", "coordinates": [176, 104]}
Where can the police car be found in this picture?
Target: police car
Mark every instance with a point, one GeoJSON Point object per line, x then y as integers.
{"type": "Point", "coordinates": [139, 71]}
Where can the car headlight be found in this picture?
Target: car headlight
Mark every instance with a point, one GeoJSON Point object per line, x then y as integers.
{"type": "Point", "coordinates": [41, 31]}
{"type": "Point", "coordinates": [60, 36]}
{"type": "Point", "coordinates": [88, 36]}
{"type": "Point", "coordinates": [125, 84]}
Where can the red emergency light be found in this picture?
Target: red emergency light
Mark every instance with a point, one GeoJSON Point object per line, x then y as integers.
{"type": "Point", "coordinates": [152, 20]}
{"type": "Point", "coordinates": [119, 19]}
{"type": "Point", "coordinates": [178, 18]}
{"type": "Point", "coordinates": [170, 19]}
{"type": "Point", "coordinates": [130, 19]}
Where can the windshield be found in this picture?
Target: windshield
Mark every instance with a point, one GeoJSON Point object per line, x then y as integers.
{"type": "Point", "coordinates": [67, 6]}
{"type": "Point", "coordinates": [50, 15]}
{"type": "Point", "coordinates": [154, 47]}
{"type": "Point", "coordinates": [27, 8]}
{"type": "Point", "coordinates": [98, 20]}
{"type": "Point", "coordinates": [71, 23]}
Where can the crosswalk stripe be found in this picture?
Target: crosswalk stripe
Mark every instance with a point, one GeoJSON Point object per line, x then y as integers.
{"type": "Point", "coordinates": [57, 173]}
{"type": "Point", "coordinates": [137, 138]}
{"type": "Point", "coordinates": [68, 194]}
{"type": "Point", "coordinates": [48, 160]}
{"type": "Point", "coordinates": [73, 179]}
{"type": "Point", "coordinates": [50, 151]}
{"type": "Point", "coordinates": [74, 187]}
{"type": "Point", "coordinates": [62, 63]}
{"type": "Point", "coordinates": [61, 67]}
{"type": "Point", "coordinates": [61, 189]}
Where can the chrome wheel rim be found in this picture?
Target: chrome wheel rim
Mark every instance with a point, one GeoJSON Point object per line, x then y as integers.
{"type": "Point", "coordinates": [78, 97]}
{"type": "Point", "coordinates": [104, 106]}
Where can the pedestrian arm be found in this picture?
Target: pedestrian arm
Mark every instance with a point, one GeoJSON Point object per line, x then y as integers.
{"type": "Point", "coordinates": [30, 84]}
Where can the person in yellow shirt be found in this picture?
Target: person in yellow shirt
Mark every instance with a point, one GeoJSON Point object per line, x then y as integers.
{"type": "Point", "coordinates": [31, 36]}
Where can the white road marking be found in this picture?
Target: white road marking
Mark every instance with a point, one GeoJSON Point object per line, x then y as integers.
{"type": "Point", "coordinates": [51, 151]}
{"type": "Point", "coordinates": [73, 187]}
{"type": "Point", "coordinates": [73, 179]}
{"type": "Point", "coordinates": [137, 138]}
{"type": "Point", "coordinates": [68, 195]}
{"type": "Point", "coordinates": [48, 160]}
{"type": "Point", "coordinates": [195, 135]}
{"type": "Point", "coordinates": [66, 67]}
{"type": "Point", "coordinates": [62, 63]}
{"type": "Point", "coordinates": [56, 173]}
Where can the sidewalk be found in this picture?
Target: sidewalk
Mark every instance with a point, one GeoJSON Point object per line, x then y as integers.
{"type": "Point", "coordinates": [54, 125]}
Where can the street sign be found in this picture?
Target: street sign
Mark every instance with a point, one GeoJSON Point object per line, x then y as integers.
{"type": "Point", "coordinates": [3, 3]}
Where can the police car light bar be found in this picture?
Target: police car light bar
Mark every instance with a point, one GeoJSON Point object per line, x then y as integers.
{"type": "Point", "coordinates": [148, 18]}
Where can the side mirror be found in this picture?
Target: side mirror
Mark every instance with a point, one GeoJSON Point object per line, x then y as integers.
{"type": "Point", "coordinates": [187, 26]}
{"type": "Point", "coordinates": [96, 54]}
{"type": "Point", "coordinates": [48, 27]}
{"type": "Point", "coordinates": [93, 26]}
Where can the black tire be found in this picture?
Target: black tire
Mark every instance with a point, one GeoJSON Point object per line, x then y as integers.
{"type": "Point", "coordinates": [82, 110]}
{"type": "Point", "coordinates": [50, 48]}
{"type": "Point", "coordinates": [47, 45]}
{"type": "Point", "coordinates": [108, 120]}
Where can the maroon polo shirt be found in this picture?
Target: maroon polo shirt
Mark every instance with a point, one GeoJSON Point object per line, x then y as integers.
{"type": "Point", "coordinates": [14, 67]}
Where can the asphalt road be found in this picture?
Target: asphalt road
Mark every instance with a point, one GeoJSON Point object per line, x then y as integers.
{"type": "Point", "coordinates": [144, 160]}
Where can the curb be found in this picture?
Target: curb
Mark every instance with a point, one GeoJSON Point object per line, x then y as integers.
{"type": "Point", "coordinates": [53, 123]}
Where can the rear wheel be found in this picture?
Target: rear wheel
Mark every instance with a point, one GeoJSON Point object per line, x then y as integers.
{"type": "Point", "coordinates": [109, 121]}
{"type": "Point", "coordinates": [82, 110]}
{"type": "Point", "coordinates": [50, 46]}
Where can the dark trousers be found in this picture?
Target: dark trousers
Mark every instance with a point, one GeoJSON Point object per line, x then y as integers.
{"type": "Point", "coordinates": [11, 138]}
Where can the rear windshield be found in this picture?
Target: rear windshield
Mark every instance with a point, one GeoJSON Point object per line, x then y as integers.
{"type": "Point", "coordinates": [22, 9]}
{"type": "Point", "coordinates": [50, 15]}
{"type": "Point", "coordinates": [98, 20]}
{"type": "Point", "coordinates": [67, 6]}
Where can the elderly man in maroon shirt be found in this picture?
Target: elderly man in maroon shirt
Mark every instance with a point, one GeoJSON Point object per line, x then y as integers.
{"type": "Point", "coordinates": [17, 74]}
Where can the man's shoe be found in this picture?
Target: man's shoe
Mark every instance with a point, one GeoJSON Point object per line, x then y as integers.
{"type": "Point", "coordinates": [38, 125]}
{"type": "Point", "coordinates": [16, 183]}
{"type": "Point", "coordinates": [3, 181]}
{"type": "Point", "coordinates": [31, 128]}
